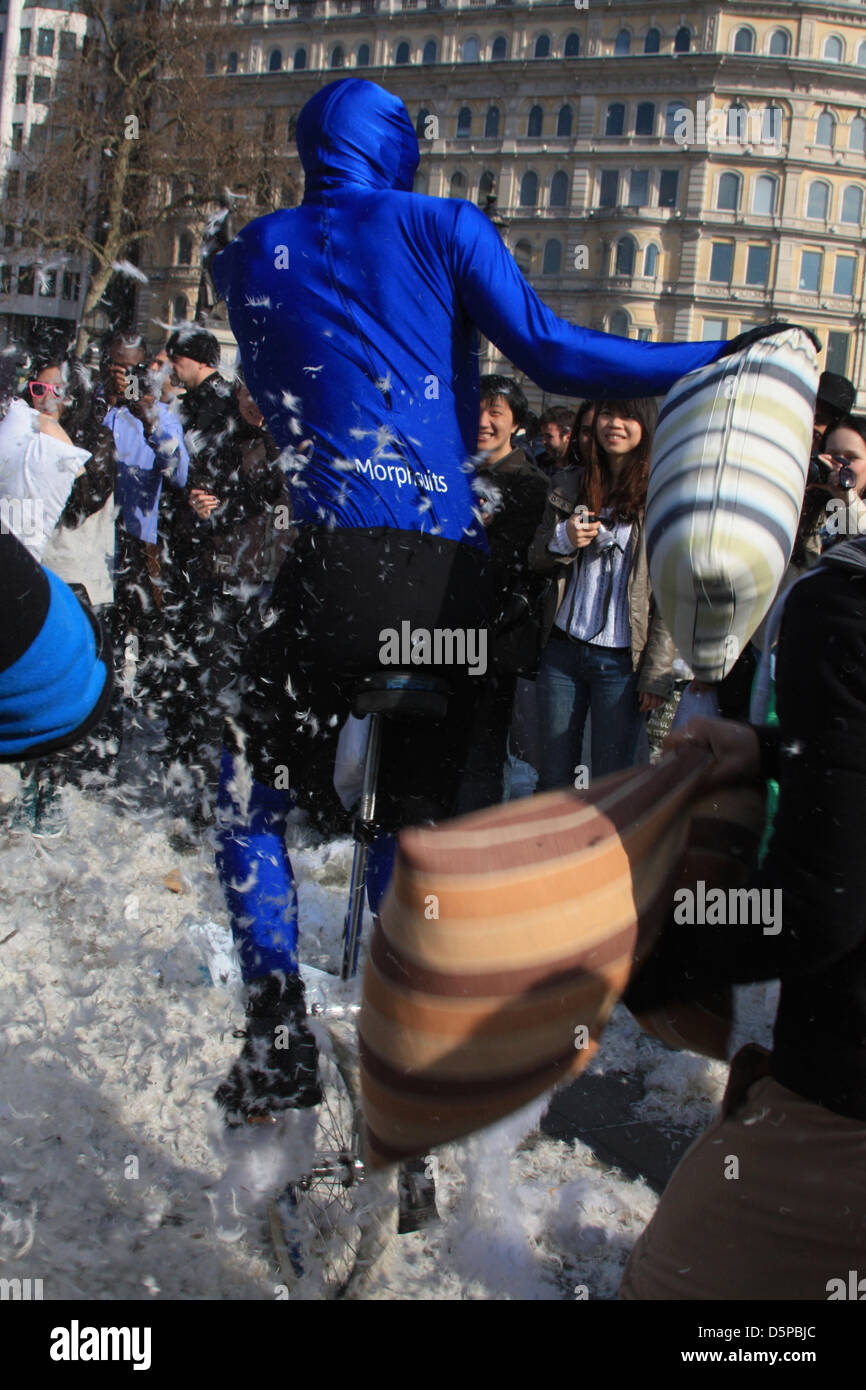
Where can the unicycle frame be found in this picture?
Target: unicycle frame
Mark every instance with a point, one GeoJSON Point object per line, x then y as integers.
{"type": "Point", "coordinates": [364, 830]}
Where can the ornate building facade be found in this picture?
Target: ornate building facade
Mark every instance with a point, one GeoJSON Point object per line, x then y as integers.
{"type": "Point", "coordinates": [35, 293]}
{"type": "Point", "coordinates": [659, 171]}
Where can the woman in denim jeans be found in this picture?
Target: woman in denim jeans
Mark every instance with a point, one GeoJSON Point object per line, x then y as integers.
{"type": "Point", "coordinates": [608, 654]}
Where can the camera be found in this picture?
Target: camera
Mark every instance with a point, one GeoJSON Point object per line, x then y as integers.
{"type": "Point", "coordinates": [819, 471]}
{"type": "Point", "coordinates": [143, 376]}
{"type": "Point", "coordinates": [604, 539]}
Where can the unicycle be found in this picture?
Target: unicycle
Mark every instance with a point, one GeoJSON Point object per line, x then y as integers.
{"type": "Point", "coordinates": [331, 1227]}
{"type": "Point", "coordinates": [327, 1232]}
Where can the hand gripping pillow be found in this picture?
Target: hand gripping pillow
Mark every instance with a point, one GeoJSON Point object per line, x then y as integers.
{"type": "Point", "coordinates": [729, 464]}
{"type": "Point", "coordinates": [505, 940]}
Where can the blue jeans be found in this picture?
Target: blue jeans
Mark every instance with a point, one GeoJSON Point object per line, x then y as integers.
{"type": "Point", "coordinates": [576, 679]}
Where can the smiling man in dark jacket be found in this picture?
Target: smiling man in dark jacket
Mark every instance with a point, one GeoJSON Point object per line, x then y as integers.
{"type": "Point", "coordinates": [512, 491]}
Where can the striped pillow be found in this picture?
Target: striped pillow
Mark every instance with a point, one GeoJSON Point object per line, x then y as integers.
{"type": "Point", "coordinates": [505, 940]}
{"type": "Point", "coordinates": [728, 471]}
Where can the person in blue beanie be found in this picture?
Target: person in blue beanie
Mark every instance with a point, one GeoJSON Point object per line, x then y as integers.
{"type": "Point", "coordinates": [357, 317]}
{"type": "Point", "coordinates": [55, 670]}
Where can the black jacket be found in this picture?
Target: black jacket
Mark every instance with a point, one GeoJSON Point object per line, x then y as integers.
{"type": "Point", "coordinates": [216, 434]}
{"type": "Point", "coordinates": [818, 754]}
{"type": "Point", "coordinates": [520, 490]}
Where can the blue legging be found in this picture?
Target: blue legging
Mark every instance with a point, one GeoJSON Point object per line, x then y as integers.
{"type": "Point", "coordinates": [257, 878]}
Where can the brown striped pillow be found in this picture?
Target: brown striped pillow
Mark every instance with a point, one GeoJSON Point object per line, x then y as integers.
{"type": "Point", "coordinates": [505, 940]}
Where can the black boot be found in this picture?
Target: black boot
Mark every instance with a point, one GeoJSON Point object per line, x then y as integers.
{"type": "Point", "coordinates": [278, 1067]}
{"type": "Point", "coordinates": [416, 1188]}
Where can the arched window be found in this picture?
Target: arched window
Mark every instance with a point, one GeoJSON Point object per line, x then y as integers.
{"type": "Point", "coordinates": [625, 251]}
{"type": "Point", "coordinates": [486, 186]}
{"type": "Point", "coordinates": [651, 260]}
{"type": "Point", "coordinates": [491, 123]}
{"type": "Point", "coordinates": [744, 41]}
{"type": "Point", "coordinates": [363, 58]}
{"type": "Point", "coordinates": [290, 129]}
{"type": "Point", "coordinates": [728, 199]}
{"type": "Point", "coordinates": [552, 261]}
{"type": "Point", "coordinates": [180, 309]}
{"type": "Point", "coordinates": [457, 188]}
{"type": "Point", "coordinates": [564, 120]}
{"type": "Point", "coordinates": [738, 123]}
{"type": "Point", "coordinates": [275, 61]}
{"type": "Point", "coordinates": [470, 51]}
{"type": "Point", "coordinates": [269, 128]}
{"type": "Point", "coordinates": [420, 123]}
{"type": "Point", "coordinates": [572, 46]}
{"type": "Point", "coordinates": [232, 63]}
{"type": "Point", "coordinates": [622, 44]}
{"type": "Point", "coordinates": [861, 56]}
{"type": "Point", "coordinates": [338, 57]}
{"type": "Point", "coordinates": [771, 125]}
{"type": "Point", "coordinates": [764, 195]}
{"type": "Point", "coordinates": [818, 202]}
{"type": "Point", "coordinates": [826, 130]}
{"type": "Point", "coordinates": [499, 51]}
{"type": "Point", "coordinates": [210, 65]}
{"type": "Point", "coordinates": [402, 53]}
{"type": "Point", "coordinates": [542, 46]}
{"type": "Point", "coordinates": [857, 135]}
{"type": "Point", "coordinates": [780, 43]}
{"type": "Point", "coordinates": [523, 257]}
{"type": "Point", "coordinates": [683, 40]}
{"type": "Point", "coordinates": [619, 324]}
{"type": "Point", "coordinates": [834, 49]}
{"type": "Point", "coordinates": [652, 42]}
{"type": "Point", "coordinates": [464, 123]}
{"type": "Point", "coordinates": [535, 123]}
{"type": "Point", "coordinates": [673, 118]}
{"type": "Point", "coordinates": [614, 122]}
{"type": "Point", "coordinates": [645, 118]}
{"type": "Point", "coordinates": [184, 248]}
{"type": "Point", "coordinates": [852, 204]}
{"type": "Point", "coordinates": [420, 182]}
{"type": "Point", "coordinates": [529, 190]}
{"type": "Point", "coordinates": [299, 62]}
{"type": "Point", "coordinates": [431, 52]}
{"type": "Point", "coordinates": [559, 189]}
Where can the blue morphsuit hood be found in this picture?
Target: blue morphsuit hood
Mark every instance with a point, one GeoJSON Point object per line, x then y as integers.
{"type": "Point", "coordinates": [353, 132]}
{"type": "Point", "coordinates": [357, 318]}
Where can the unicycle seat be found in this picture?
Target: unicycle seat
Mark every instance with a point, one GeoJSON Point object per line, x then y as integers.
{"type": "Point", "coordinates": [404, 695]}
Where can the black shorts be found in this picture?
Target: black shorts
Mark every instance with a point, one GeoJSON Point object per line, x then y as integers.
{"type": "Point", "coordinates": [336, 597]}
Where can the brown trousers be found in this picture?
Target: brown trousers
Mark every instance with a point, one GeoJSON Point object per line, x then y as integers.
{"type": "Point", "coordinates": [770, 1203]}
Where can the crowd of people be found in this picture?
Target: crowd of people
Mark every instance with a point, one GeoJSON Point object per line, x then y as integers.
{"type": "Point", "coordinates": [165, 535]}
{"type": "Point", "coordinates": [249, 646]}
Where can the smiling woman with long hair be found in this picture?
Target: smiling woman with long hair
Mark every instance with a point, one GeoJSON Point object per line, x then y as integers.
{"type": "Point", "coordinates": [609, 652]}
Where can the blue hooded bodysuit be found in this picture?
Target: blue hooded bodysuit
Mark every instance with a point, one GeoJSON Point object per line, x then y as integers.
{"type": "Point", "coordinates": [357, 313]}
{"type": "Point", "coordinates": [357, 317]}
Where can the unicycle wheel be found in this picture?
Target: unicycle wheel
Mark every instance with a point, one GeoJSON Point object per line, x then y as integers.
{"type": "Point", "coordinates": [330, 1228]}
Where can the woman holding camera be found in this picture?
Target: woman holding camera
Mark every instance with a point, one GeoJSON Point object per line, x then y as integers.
{"type": "Point", "coordinates": [608, 654]}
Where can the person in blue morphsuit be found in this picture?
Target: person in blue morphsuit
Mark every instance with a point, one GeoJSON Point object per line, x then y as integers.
{"type": "Point", "coordinates": [357, 317]}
